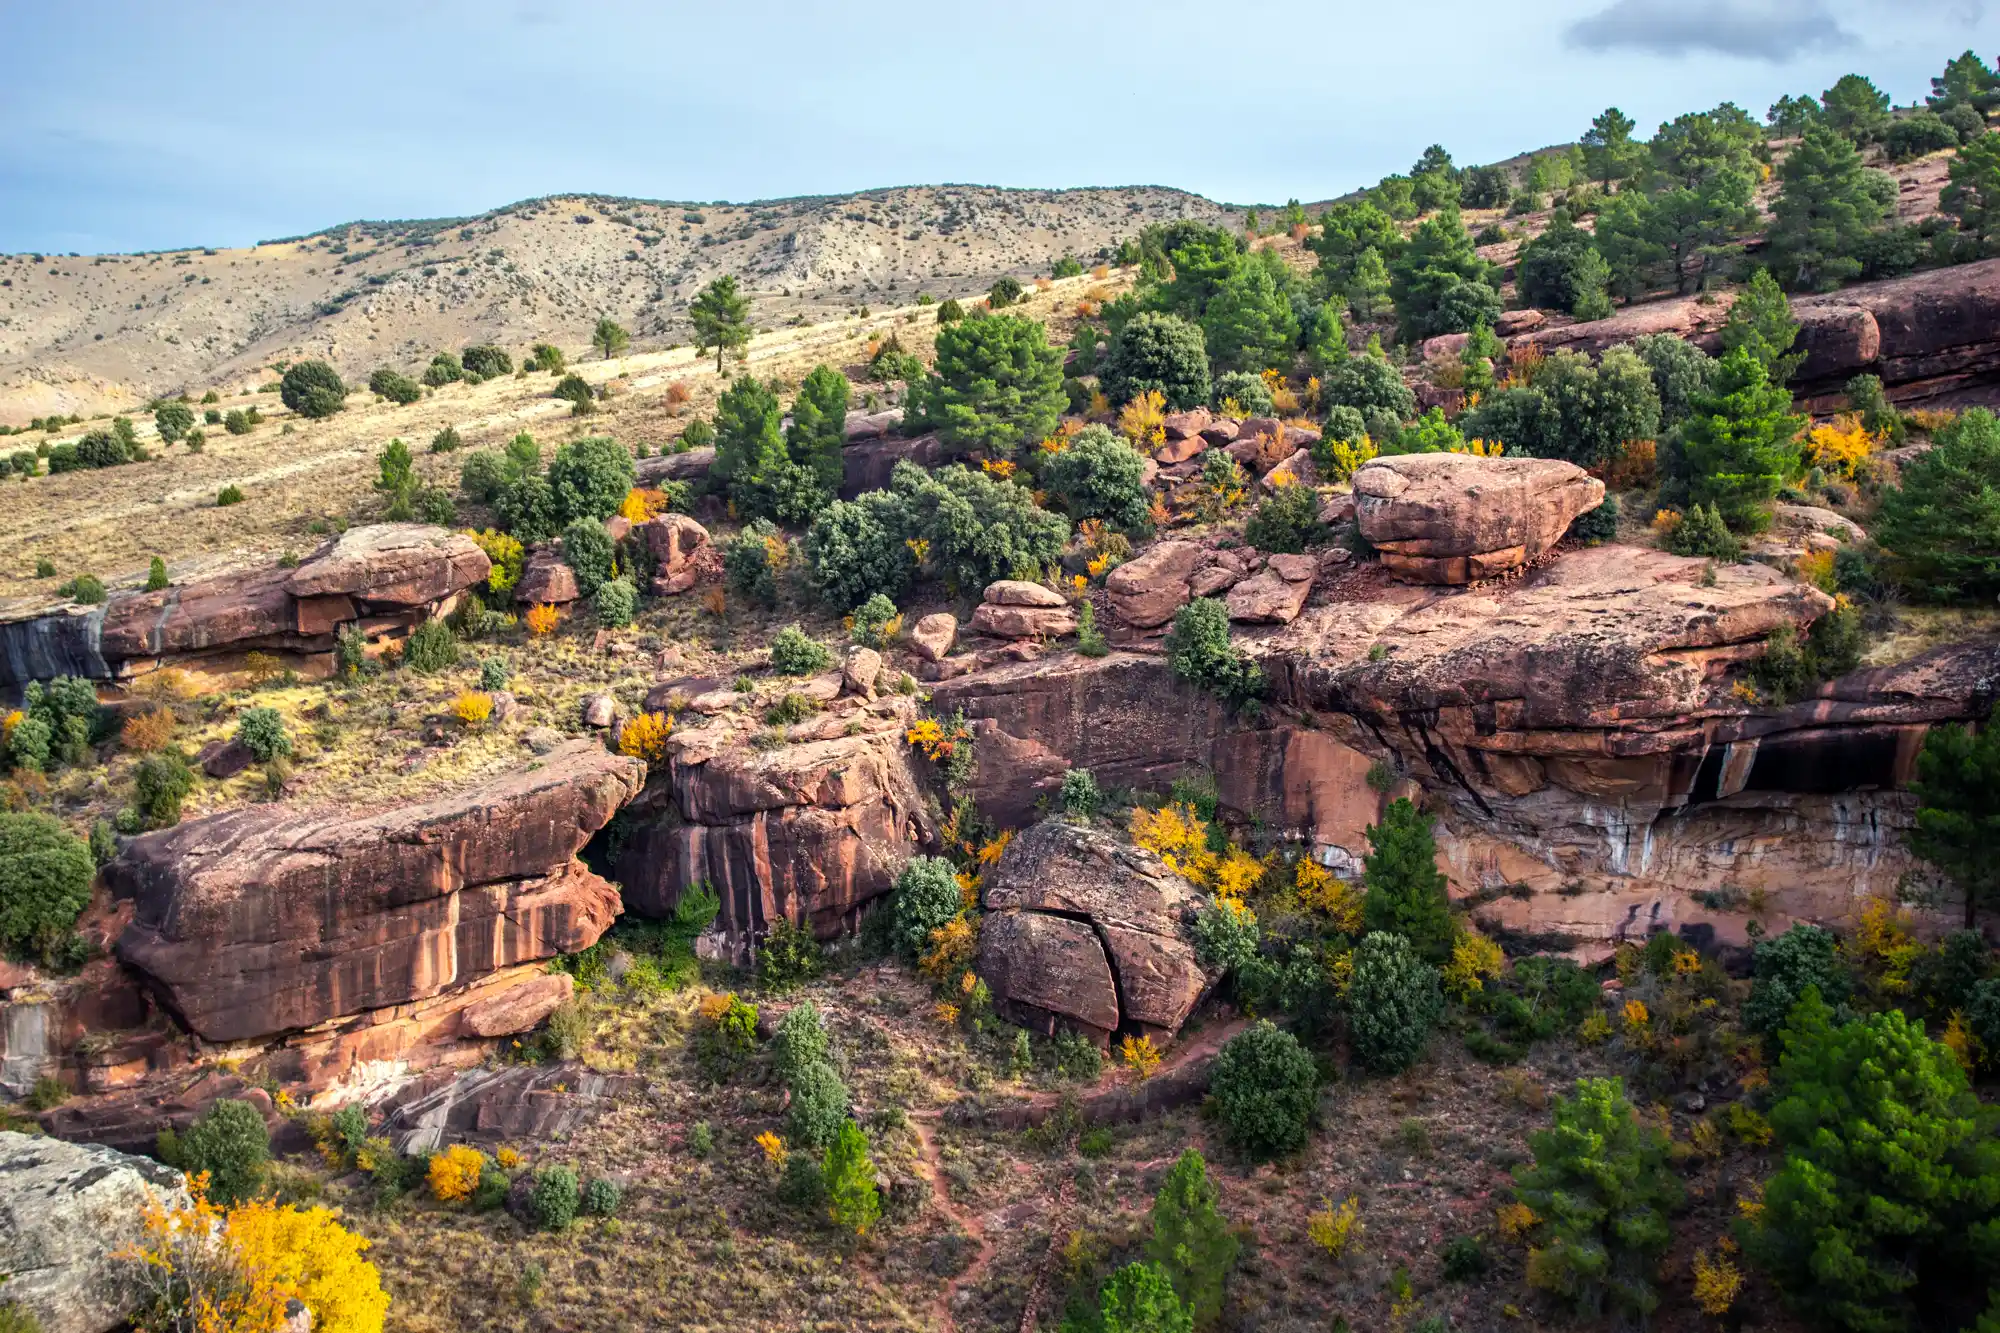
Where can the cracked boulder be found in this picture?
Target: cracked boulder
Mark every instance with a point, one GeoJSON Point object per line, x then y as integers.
{"type": "Point", "coordinates": [1083, 931]}
{"type": "Point", "coordinates": [1456, 518]}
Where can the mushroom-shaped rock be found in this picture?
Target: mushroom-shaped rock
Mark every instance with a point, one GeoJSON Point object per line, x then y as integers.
{"type": "Point", "coordinates": [1147, 589]}
{"type": "Point", "coordinates": [68, 1212]}
{"type": "Point", "coordinates": [391, 565]}
{"type": "Point", "coordinates": [1455, 518]}
{"type": "Point", "coordinates": [1083, 929]}
{"type": "Point", "coordinates": [931, 637]}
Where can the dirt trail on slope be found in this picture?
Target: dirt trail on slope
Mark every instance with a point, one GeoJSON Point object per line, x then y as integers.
{"type": "Point", "coordinates": [966, 1221]}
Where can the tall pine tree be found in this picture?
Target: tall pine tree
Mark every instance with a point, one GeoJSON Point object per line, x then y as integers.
{"type": "Point", "coordinates": [1742, 443]}
{"type": "Point", "coordinates": [1406, 890]}
{"type": "Point", "coordinates": [1192, 1244]}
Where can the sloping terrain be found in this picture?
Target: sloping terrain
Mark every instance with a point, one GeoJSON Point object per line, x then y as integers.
{"type": "Point", "coordinates": [96, 333]}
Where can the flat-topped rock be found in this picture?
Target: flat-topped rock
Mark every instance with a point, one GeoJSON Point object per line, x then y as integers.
{"type": "Point", "coordinates": [392, 565]}
{"type": "Point", "coordinates": [1456, 518]}
{"type": "Point", "coordinates": [262, 920]}
{"type": "Point", "coordinates": [546, 580]}
{"type": "Point", "coordinates": [1147, 589]}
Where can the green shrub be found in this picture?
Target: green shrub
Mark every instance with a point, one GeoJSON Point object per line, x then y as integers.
{"type": "Point", "coordinates": [616, 603]}
{"type": "Point", "coordinates": [1004, 292]}
{"type": "Point", "coordinates": [1594, 527]}
{"type": "Point", "coordinates": [851, 1198]}
{"type": "Point", "coordinates": [589, 478]}
{"type": "Point", "coordinates": [1139, 1298]}
{"type": "Point", "coordinates": [575, 390]}
{"type": "Point", "coordinates": [1882, 1215]}
{"type": "Point", "coordinates": [486, 361]}
{"type": "Point", "coordinates": [1090, 640]}
{"type": "Point", "coordinates": [601, 1197]}
{"type": "Point", "coordinates": [1246, 389]}
{"type": "Point", "coordinates": [444, 369]}
{"type": "Point", "coordinates": [1406, 891]}
{"type": "Point", "coordinates": [1098, 475]}
{"type": "Point", "coordinates": [156, 575]}
{"type": "Point", "coordinates": [45, 877]}
{"type": "Point", "coordinates": [231, 494]}
{"type": "Point", "coordinates": [1078, 796]}
{"type": "Point", "coordinates": [1702, 532]}
{"type": "Point", "coordinates": [1192, 1243]}
{"type": "Point", "coordinates": [1286, 521]}
{"type": "Point", "coordinates": [398, 388]}
{"type": "Point", "coordinates": [1561, 270]}
{"type": "Point", "coordinates": [312, 389]}
{"type": "Point", "coordinates": [86, 589]}
{"type": "Point", "coordinates": [1602, 1187]}
{"type": "Point", "coordinates": [819, 1107]}
{"type": "Point", "coordinates": [547, 357]}
{"type": "Point", "coordinates": [700, 1139]}
{"type": "Point", "coordinates": [161, 782]}
{"type": "Point", "coordinates": [101, 448]}
{"type": "Point", "coordinates": [555, 1199]}
{"type": "Point", "coordinates": [872, 622]}
{"type": "Point", "coordinates": [1913, 136]}
{"type": "Point", "coordinates": [172, 420]}
{"type": "Point", "coordinates": [587, 550]}
{"type": "Point", "coordinates": [1226, 939]}
{"type": "Point", "coordinates": [483, 475]}
{"type": "Point", "coordinates": [1958, 812]}
{"type": "Point", "coordinates": [1941, 525]}
{"type": "Point", "coordinates": [431, 648]}
{"type": "Point", "coordinates": [1160, 353]}
{"type": "Point", "coordinates": [1199, 650]}
{"type": "Point", "coordinates": [230, 1142]}
{"type": "Point", "coordinates": [237, 421]}
{"type": "Point", "coordinates": [996, 386]}
{"type": "Point", "coordinates": [1393, 1002]}
{"type": "Point", "coordinates": [446, 441]}
{"type": "Point", "coordinates": [1368, 383]}
{"type": "Point", "coordinates": [789, 956]}
{"type": "Point", "coordinates": [748, 562]}
{"type": "Point", "coordinates": [802, 1041]}
{"type": "Point", "coordinates": [795, 653]}
{"type": "Point", "coordinates": [261, 731]}
{"type": "Point", "coordinates": [1784, 968]}
{"type": "Point", "coordinates": [1464, 1259]}
{"type": "Point", "coordinates": [927, 899]}
{"type": "Point", "coordinates": [1265, 1088]}
{"type": "Point", "coordinates": [803, 1184]}
{"type": "Point", "coordinates": [855, 550]}
{"type": "Point", "coordinates": [950, 311]}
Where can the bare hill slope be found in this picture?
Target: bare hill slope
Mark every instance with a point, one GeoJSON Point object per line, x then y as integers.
{"type": "Point", "coordinates": [92, 333]}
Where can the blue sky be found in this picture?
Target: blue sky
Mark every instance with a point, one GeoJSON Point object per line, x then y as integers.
{"type": "Point", "coordinates": [134, 126]}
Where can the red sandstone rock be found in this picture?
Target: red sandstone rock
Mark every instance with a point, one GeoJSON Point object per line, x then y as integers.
{"type": "Point", "coordinates": [1187, 425]}
{"type": "Point", "coordinates": [388, 565]}
{"type": "Point", "coordinates": [546, 580]}
{"type": "Point", "coordinates": [261, 920]}
{"type": "Point", "coordinates": [1022, 622]}
{"type": "Point", "coordinates": [1019, 592]}
{"type": "Point", "coordinates": [868, 465]}
{"type": "Point", "coordinates": [1179, 451]}
{"type": "Point", "coordinates": [1454, 518]}
{"type": "Point", "coordinates": [931, 637]}
{"type": "Point", "coordinates": [674, 541]}
{"type": "Point", "coordinates": [1268, 599]}
{"type": "Point", "coordinates": [1083, 927]}
{"type": "Point", "coordinates": [1147, 589]}
{"type": "Point", "coordinates": [1220, 431]}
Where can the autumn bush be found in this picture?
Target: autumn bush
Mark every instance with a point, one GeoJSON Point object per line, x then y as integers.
{"type": "Point", "coordinates": [147, 731]}
{"type": "Point", "coordinates": [645, 737]}
{"type": "Point", "coordinates": [455, 1173]}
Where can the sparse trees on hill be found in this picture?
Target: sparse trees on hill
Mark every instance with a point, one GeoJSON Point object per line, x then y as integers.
{"type": "Point", "coordinates": [1439, 283]}
{"type": "Point", "coordinates": [1967, 80]}
{"type": "Point", "coordinates": [172, 420]}
{"type": "Point", "coordinates": [1249, 323]}
{"type": "Point", "coordinates": [397, 387]}
{"type": "Point", "coordinates": [1561, 270]}
{"type": "Point", "coordinates": [1609, 153]}
{"type": "Point", "coordinates": [721, 318]}
{"type": "Point", "coordinates": [485, 361]}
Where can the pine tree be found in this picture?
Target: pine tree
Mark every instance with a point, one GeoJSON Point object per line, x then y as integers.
{"type": "Point", "coordinates": [1973, 194]}
{"type": "Point", "coordinates": [851, 1198]}
{"type": "Point", "coordinates": [750, 456]}
{"type": "Point", "coordinates": [1824, 213]}
{"type": "Point", "coordinates": [996, 385]}
{"type": "Point", "coordinates": [721, 318]}
{"type": "Point", "coordinates": [1139, 1299]}
{"type": "Point", "coordinates": [1192, 1244]}
{"type": "Point", "coordinates": [1406, 890]}
{"type": "Point", "coordinates": [1741, 443]}
{"type": "Point", "coordinates": [1439, 282]}
{"type": "Point", "coordinates": [1761, 323]}
{"type": "Point", "coordinates": [1856, 108]}
{"type": "Point", "coordinates": [1608, 149]}
{"type": "Point", "coordinates": [819, 427]}
{"type": "Point", "coordinates": [1249, 325]}
{"type": "Point", "coordinates": [1368, 290]}
{"type": "Point", "coordinates": [1942, 522]}
{"type": "Point", "coordinates": [609, 338]}
{"type": "Point", "coordinates": [1968, 80]}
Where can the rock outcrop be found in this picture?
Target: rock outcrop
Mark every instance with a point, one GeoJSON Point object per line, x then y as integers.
{"type": "Point", "coordinates": [67, 1211]}
{"type": "Point", "coordinates": [1926, 335]}
{"type": "Point", "coordinates": [545, 579]}
{"type": "Point", "coordinates": [809, 831]}
{"type": "Point", "coordinates": [675, 542]}
{"type": "Point", "coordinates": [383, 579]}
{"type": "Point", "coordinates": [1083, 930]}
{"type": "Point", "coordinates": [1456, 518]}
{"type": "Point", "coordinates": [260, 921]}
{"type": "Point", "coordinates": [1015, 609]}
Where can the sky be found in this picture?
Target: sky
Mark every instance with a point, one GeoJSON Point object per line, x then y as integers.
{"type": "Point", "coordinates": [157, 124]}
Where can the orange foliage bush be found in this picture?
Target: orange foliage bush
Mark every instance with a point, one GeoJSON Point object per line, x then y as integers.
{"type": "Point", "coordinates": [542, 618]}
{"type": "Point", "coordinates": [148, 731]}
{"type": "Point", "coordinates": [1637, 466]}
{"type": "Point", "coordinates": [678, 393]}
{"type": "Point", "coordinates": [645, 737]}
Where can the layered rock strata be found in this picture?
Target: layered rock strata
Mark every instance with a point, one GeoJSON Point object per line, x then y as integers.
{"type": "Point", "coordinates": [1456, 518]}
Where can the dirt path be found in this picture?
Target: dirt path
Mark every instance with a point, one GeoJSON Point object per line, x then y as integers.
{"type": "Point", "coordinates": [967, 1222]}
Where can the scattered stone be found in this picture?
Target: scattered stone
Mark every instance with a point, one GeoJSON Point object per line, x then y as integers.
{"type": "Point", "coordinates": [1269, 598]}
{"type": "Point", "coordinates": [1023, 622]}
{"type": "Point", "coordinates": [859, 672]}
{"type": "Point", "coordinates": [1215, 579]}
{"type": "Point", "coordinates": [546, 580]}
{"type": "Point", "coordinates": [542, 740]}
{"type": "Point", "coordinates": [931, 637]}
{"type": "Point", "coordinates": [1187, 425]}
{"type": "Point", "coordinates": [1019, 592]}
{"type": "Point", "coordinates": [224, 758]}
{"type": "Point", "coordinates": [599, 710]}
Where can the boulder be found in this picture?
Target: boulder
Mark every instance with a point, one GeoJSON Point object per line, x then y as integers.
{"type": "Point", "coordinates": [262, 920]}
{"type": "Point", "coordinates": [1812, 520]}
{"type": "Point", "coordinates": [688, 465]}
{"type": "Point", "coordinates": [224, 759]}
{"type": "Point", "coordinates": [1515, 322]}
{"type": "Point", "coordinates": [1456, 518]}
{"type": "Point", "coordinates": [808, 832]}
{"type": "Point", "coordinates": [860, 670]}
{"type": "Point", "coordinates": [1019, 592]}
{"type": "Point", "coordinates": [1147, 589]}
{"type": "Point", "coordinates": [598, 710]}
{"type": "Point", "coordinates": [1023, 622]}
{"type": "Point", "coordinates": [674, 541]}
{"type": "Point", "coordinates": [67, 1211]}
{"type": "Point", "coordinates": [1220, 431]}
{"type": "Point", "coordinates": [500, 1104]}
{"type": "Point", "coordinates": [865, 425]}
{"type": "Point", "coordinates": [1083, 930]}
{"type": "Point", "coordinates": [1186, 425]}
{"type": "Point", "coordinates": [388, 565]}
{"type": "Point", "coordinates": [1295, 469]}
{"type": "Point", "coordinates": [932, 636]}
{"type": "Point", "coordinates": [546, 580]}
{"type": "Point", "coordinates": [1179, 450]}
{"type": "Point", "coordinates": [1269, 598]}
{"type": "Point", "coordinates": [1213, 580]}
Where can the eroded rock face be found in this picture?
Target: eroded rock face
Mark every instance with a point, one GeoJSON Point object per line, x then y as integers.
{"type": "Point", "coordinates": [384, 578]}
{"type": "Point", "coordinates": [1083, 930]}
{"type": "Point", "coordinates": [1456, 518]}
{"type": "Point", "coordinates": [259, 921]}
{"type": "Point", "coordinates": [66, 1212]}
{"type": "Point", "coordinates": [546, 580]}
{"type": "Point", "coordinates": [1147, 589]}
{"type": "Point", "coordinates": [807, 832]}
{"type": "Point", "coordinates": [674, 541]}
